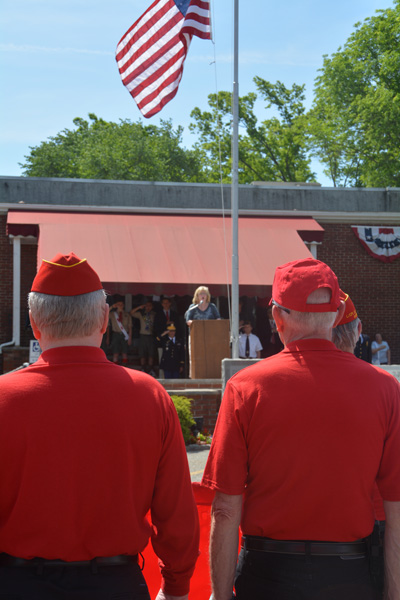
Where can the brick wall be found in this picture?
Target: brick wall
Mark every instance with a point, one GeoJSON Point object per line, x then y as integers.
{"type": "Point", "coordinates": [205, 394]}
{"type": "Point", "coordinates": [6, 283]}
{"type": "Point", "coordinates": [28, 271]}
{"type": "Point", "coordinates": [12, 358]}
{"type": "Point", "coordinates": [374, 286]}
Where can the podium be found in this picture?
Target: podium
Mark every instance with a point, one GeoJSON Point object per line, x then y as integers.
{"type": "Point", "coordinates": [209, 344]}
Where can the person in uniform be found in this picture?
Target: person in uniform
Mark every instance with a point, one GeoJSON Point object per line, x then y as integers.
{"type": "Point", "coordinates": [88, 449]}
{"type": "Point", "coordinates": [300, 440]}
{"type": "Point", "coordinates": [147, 345]}
{"type": "Point", "coordinates": [363, 348]}
{"type": "Point", "coordinates": [173, 355]}
{"type": "Point", "coordinates": [162, 319]}
{"type": "Point", "coordinates": [120, 325]}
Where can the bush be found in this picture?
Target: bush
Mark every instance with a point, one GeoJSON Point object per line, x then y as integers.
{"type": "Point", "coordinates": [184, 409]}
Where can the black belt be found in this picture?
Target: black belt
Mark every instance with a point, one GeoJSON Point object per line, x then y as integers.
{"type": "Point", "coordinates": [108, 561]}
{"type": "Point", "coordinates": [261, 544]}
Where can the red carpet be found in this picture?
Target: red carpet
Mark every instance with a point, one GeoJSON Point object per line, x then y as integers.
{"type": "Point", "coordinates": [200, 586]}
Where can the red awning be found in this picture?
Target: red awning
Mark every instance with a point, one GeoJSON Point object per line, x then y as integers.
{"type": "Point", "coordinates": [154, 254]}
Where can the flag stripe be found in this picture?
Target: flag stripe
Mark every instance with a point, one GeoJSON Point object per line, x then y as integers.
{"type": "Point", "coordinates": [141, 22]}
{"type": "Point", "coordinates": [148, 35]}
{"type": "Point", "coordinates": [155, 71]}
{"type": "Point", "coordinates": [158, 97]}
{"type": "Point", "coordinates": [160, 83]}
{"type": "Point", "coordinates": [147, 85]}
{"type": "Point", "coordinates": [152, 52]}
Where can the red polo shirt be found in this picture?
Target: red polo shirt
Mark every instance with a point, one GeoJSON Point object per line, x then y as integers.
{"type": "Point", "coordinates": [87, 448]}
{"type": "Point", "coordinates": [304, 435]}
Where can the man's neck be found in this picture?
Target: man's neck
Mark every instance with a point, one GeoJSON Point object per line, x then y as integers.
{"type": "Point", "coordinates": [48, 344]}
{"type": "Point", "coordinates": [316, 336]}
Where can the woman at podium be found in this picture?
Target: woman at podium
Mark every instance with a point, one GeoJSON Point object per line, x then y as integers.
{"type": "Point", "coordinates": [208, 342]}
{"type": "Point", "coordinates": [201, 307]}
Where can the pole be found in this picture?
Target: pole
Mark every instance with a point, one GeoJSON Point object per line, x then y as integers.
{"type": "Point", "coordinates": [235, 188]}
{"type": "Point", "coordinates": [16, 289]}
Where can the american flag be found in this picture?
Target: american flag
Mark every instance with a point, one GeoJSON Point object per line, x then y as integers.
{"type": "Point", "coordinates": [152, 52]}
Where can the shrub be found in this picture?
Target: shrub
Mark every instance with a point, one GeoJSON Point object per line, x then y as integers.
{"type": "Point", "coordinates": [184, 410]}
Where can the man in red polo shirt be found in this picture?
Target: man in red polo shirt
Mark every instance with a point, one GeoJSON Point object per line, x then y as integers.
{"type": "Point", "coordinates": [87, 449]}
{"type": "Point", "coordinates": [300, 440]}
{"type": "Point", "coordinates": [345, 336]}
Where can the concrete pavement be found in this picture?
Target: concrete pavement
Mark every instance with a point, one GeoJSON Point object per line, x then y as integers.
{"type": "Point", "coordinates": [197, 458]}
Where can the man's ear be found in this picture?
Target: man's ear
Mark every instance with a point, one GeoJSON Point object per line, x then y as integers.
{"type": "Point", "coordinates": [35, 329]}
{"type": "Point", "coordinates": [105, 320]}
{"type": "Point", "coordinates": [277, 316]}
{"type": "Point", "coordinates": [340, 313]}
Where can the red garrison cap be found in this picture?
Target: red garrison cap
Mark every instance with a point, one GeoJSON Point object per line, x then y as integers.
{"type": "Point", "coordinates": [294, 282]}
{"type": "Point", "coordinates": [350, 313]}
{"type": "Point", "coordinates": [66, 275]}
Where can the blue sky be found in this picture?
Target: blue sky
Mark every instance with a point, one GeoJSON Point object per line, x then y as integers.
{"type": "Point", "coordinates": [57, 61]}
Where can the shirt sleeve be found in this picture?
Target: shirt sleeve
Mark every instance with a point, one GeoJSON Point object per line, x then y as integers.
{"type": "Point", "coordinates": [388, 478]}
{"type": "Point", "coordinates": [258, 345]}
{"type": "Point", "coordinates": [189, 313]}
{"type": "Point", "coordinates": [226, 469]}
{"type": "Point", "coordinates": [174, 513]}
{"type": "Point", "coordinates": [215, 311]}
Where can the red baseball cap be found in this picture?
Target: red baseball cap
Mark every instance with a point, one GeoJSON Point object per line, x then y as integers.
{"type": "Point", "coordinates": [350, 313]}
{"type": "Point", "coordinates": [296, 280]}
{"type": "Point", "coordinates": [66, 275]}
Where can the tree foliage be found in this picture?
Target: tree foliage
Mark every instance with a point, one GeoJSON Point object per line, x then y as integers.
{"type": "Point", "coordinates": [273, 150]}
{"type": "Point", "coordinates": [355, 118]}
{"type": "Point", "coordinates": [98, 149]}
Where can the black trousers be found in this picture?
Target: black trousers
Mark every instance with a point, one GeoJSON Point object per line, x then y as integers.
{"type": "Point", "coordinates": [122, 582]}
{"type": "Point", "coordinates": [265, 575]}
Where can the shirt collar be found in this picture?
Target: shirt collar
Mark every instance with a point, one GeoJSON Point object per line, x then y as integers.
{"type": "Point", "coordinates": [310, 344]}
{"type": "Point", "coordinates": [72, 354]}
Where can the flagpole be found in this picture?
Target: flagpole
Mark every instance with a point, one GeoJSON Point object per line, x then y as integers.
{"type": "Point", "coordinates": [235, 188]}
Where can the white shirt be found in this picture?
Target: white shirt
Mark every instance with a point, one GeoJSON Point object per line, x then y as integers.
{"type": "Point", "coordinates": [254, 342]}
{"type": "Point", "coordinates": [380, 357]}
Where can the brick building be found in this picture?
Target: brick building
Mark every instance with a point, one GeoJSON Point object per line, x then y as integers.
{"type": "Point", "coordinates": [38, 214]}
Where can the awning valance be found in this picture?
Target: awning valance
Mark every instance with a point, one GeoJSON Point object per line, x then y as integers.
{"type": "Point", "coordinates": [154, 254]}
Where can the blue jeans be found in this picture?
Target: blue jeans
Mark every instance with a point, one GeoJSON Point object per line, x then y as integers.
{"type": "Point", "coordinates": [265, 575]}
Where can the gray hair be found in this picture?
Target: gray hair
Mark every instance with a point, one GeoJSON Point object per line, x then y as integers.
{"type": "Point", "coordinates": [312, 323]}
{"type": "Point", "coordinates": [62, 317]}
{"type": "Point", "coordinates": [309, 324]}
{"type": "Point", "coordinates": [345, 336]}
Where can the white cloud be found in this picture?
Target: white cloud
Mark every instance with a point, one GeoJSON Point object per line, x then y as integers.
{"type": "Point", "coordinates": [30, 49]}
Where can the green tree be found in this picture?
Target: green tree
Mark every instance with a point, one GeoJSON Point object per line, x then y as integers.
{"type": "Point", "coordinates": [273, 150]}
{"type": "Point", "coordinates": [355, 117]}
{"type": "Point", "coordinates": [97, 149]}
